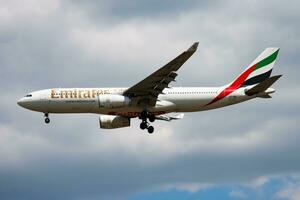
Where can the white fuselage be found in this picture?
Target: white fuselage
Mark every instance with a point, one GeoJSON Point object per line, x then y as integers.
{"type": "Point", "coordinates": [86, 100]}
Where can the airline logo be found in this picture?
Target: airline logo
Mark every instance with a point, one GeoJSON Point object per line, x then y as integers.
{"type": "Point", "coordinates": [246, 78]}
{"type": "Point", "coordinates": [79, 94]}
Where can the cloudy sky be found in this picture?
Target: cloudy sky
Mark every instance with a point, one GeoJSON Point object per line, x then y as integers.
{"type": "Point", "coordinates": [247, 151]}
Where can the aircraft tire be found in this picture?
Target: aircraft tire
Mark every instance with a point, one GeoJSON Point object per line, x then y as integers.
{"type": "Point", "coordinates": [144, 114]}
{"type": "Point", "coordinates": [143, 125]}
{"type": "Point", "coordinates": [150, 129]}
{"type": "Point", "coordinates": [151, 118]}
{"type": "Point", "coordinates": [47, 120]}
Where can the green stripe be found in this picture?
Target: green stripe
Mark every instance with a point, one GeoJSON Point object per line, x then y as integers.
{"type": "Point", "coordinates": [266, 61]}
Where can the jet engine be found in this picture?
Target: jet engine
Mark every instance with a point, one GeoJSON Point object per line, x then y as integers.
{"type": "Point", "coordinates": [113, 101]}
{"type": "Point", "coordinates": [111, 121]}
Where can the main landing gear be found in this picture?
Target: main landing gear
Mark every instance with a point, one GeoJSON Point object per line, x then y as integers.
{"type": "Point", "coordinates": [146, 125]}
{"type": "Point", "coordinates": [47, 119]}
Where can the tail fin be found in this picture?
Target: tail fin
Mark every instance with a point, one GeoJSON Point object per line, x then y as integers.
{"type": "Point", "coordinates": [259, 70]}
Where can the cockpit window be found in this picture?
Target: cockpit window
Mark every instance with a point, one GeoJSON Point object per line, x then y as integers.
{"type": "Point", "coordinates": [28, 95]}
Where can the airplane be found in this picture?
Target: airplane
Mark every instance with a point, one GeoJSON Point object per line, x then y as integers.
{"type": "Point", "coordinates": [153, 98]}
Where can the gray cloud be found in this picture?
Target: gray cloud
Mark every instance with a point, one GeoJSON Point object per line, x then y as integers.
{"type": "Point", "coordinates": [119, 11]}
{"type": "Point", "coordinates": [94, 44]}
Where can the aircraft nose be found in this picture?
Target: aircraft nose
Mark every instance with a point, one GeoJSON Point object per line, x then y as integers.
{"type": "Point", "coordinates": [20, 102]}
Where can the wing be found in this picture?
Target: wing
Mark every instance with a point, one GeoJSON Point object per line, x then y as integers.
{"type": "Point", "coordinates": [146, 91]}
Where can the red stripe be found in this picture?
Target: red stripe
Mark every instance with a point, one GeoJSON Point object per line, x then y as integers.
{"type": "Point", "coordinates": [234, 86]}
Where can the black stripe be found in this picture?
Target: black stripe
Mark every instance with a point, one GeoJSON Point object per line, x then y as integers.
{"type": "Point", "coordinates": [258, 78]}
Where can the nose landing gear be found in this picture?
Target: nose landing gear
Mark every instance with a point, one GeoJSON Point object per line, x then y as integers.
{"type": "Point", "coordinates": [144, 124]}
{"type": "Point", "coordinates": [47, 119]}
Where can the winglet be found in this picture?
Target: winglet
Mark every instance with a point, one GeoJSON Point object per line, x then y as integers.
{"type": "Point", "coordinates": [193, 47]}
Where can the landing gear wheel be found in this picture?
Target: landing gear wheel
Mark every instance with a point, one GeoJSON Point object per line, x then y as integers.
{"type": "Point", "coordinates": [47, 120]}
{"type": "Point", "coordinates": [151, 118]}
{"type": "Point", "coordinates": [143, 125]}
{"type": "Point", "coordinates": [144, 114]}
{"type": "Point", "coordinates": [150, 129]}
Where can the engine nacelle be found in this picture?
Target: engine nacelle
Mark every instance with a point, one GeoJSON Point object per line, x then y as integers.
{"type": "Point", "coordinates": [111, 121]}
{"type": "Point", "coordinates": [113, 101]}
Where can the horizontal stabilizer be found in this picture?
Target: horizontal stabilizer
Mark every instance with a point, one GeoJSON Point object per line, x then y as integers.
{"type": "Point", "coordinates": [262, 86]}
{"type": "Point", "coordinates": [169, 118]}
{"type": "Point", "coordinates": [265, 96]}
